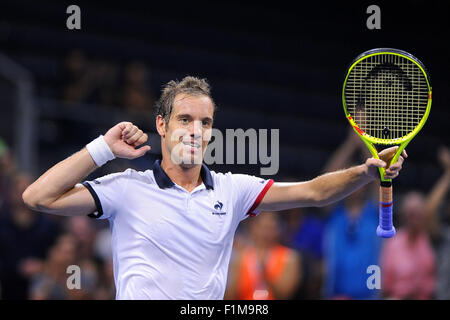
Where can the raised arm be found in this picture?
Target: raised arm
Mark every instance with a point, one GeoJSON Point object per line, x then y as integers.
{"type": "Point", "coordinates": [342, 156]}
{"type": "Point", "coordinates": [438, 192]}
{"type": "Point", "coordinates": [330, 187]}
{"type": "Point", "coordinates": [57, 192]}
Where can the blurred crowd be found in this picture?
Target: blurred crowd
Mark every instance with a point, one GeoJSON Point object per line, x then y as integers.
{"type": "Point", "coordinates": [36, 249]}
{"type": "Point", "coordinates": [306, 253]}
{"type": "Point", "coordinates": [106, 83]}
{"type": "Point", "coordinates": [326, 253]}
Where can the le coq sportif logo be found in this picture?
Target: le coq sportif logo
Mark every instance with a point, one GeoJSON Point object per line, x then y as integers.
{"type": "Point", "coordinates": [218, 208]}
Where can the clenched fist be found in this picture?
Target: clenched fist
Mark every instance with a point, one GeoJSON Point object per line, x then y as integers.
{"type": "Point", "coordinates": [123, 138]}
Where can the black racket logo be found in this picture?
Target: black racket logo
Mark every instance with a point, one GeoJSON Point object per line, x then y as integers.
{"type": "Point", "coordinates": [387, 68]}
{"type": "Point", "coordinates": [382, 77]}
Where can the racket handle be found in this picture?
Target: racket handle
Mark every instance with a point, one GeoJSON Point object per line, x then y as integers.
{"type": "Point", "coordinates": [385, 227]}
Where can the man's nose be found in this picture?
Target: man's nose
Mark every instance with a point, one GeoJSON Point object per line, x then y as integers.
{"type": "Point", "coordinates": [195, 129]}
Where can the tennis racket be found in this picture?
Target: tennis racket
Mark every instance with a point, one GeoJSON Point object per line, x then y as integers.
{"type": "Point", "coordinates": [387, 100]}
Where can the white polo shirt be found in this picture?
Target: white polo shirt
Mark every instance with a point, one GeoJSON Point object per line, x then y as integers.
{"type": "Point", "coordinates": [169, 243]}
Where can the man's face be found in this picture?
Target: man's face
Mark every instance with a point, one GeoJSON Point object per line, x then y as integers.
{"type": "Point", "coordinates": [189, 129]}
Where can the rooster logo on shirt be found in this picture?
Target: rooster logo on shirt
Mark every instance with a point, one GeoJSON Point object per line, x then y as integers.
{"type": "Point", "coordinates": [217, 208]}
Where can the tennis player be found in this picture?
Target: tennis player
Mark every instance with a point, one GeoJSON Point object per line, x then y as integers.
{"type": "Point", "coordinates": [173, 225]}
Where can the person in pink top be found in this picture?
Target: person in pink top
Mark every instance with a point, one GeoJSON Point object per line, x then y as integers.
{"type": "Point", "coordinates": [408, 260]}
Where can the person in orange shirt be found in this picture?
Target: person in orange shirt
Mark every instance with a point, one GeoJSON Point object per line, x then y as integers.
{"type": "Point", "coordinates": [264, 269]}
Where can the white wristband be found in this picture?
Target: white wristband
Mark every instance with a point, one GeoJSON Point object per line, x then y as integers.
{"type": "Point", "coordinates": [100, 151]}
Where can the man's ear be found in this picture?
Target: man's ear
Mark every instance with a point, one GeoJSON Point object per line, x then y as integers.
{"type": "Point", "coordinates": [161, 125]}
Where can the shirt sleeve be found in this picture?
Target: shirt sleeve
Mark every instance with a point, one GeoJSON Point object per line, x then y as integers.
{"type": "Point", "coordinates": [107, 192]}
{"type": "Point", "coordinates": [249, 191]}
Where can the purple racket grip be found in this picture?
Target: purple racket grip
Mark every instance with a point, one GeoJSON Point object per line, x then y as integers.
{"type": "Point", "coordinates": [385, 228]}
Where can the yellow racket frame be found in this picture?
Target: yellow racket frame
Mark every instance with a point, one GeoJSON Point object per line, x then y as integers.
{"type": "Point", "coordinates": [403, 141]}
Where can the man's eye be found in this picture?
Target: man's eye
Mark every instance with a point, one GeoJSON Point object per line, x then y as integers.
{"type": "Point", "coordinates": [184, 120]}
{"type": "Point", "coordinates": [205, 123]}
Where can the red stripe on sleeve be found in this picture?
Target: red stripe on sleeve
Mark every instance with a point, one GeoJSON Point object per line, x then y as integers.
{"type": "Point", "coordinates": [260, 197]}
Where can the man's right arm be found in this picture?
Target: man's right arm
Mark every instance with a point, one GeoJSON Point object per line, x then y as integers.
{"type": "Point", "coordinates": [57, 191]}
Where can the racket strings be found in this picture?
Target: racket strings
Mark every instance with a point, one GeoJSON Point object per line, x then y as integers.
{"type": "Point", "coordinates": [386, 95]}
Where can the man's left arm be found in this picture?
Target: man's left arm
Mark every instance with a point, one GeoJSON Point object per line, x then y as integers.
{"type": "Point", "coordinates": [330, 187]}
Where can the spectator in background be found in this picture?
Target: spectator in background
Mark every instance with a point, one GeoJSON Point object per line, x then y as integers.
{"type": "Point", "coordinates": [304, 233]}
{"type": "Point", "coordinates": [439, 225]}
{"type": "Point", "coordinates": [103, 252]}
{"type": "Point", "coordinates": [105, 84]}
{"type": "Point", "coordinates": [97, 82]}
{"type": "Point", "coordinates": [307, 233]}
{"type": "Point", "coordinates": [7, 171]}
{"type": "Point", "coordinates": [89, 82]}
{"type": "Point", "coordinates": [93, 255]}
{"type": "Point", "coordinates": [86, 81]}
{"type": "Point", "coordinates": [264, 269]}
{"type": "Point", "coordinates": [51, 282]}
{"type": "Point", "coordinates": [136, 93]}
{"type": "Point", "coordinates": [443, 260]}
{"type": "Point", "coordinates": [106, 288]}
{"type": "Point", "coordinates": [350, 246]}
{"type": "Point", "coordinates": [83, 233]}
{"type": "Point", "coordinates": [408, 259]}
{"type": "Point", "coordinates": [350, 240]}
{"type": "Point", "coordinates": [24, 240]}
{"type": "Point", "coordinates": [77, 77]}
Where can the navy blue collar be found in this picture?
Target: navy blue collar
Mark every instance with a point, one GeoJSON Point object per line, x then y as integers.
{"type": "Point", "coordinates": [163, 180]}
